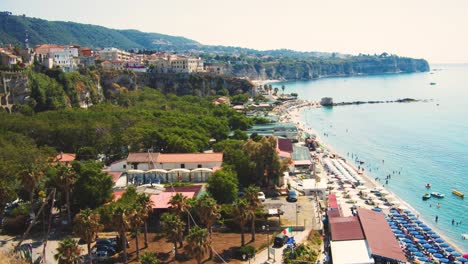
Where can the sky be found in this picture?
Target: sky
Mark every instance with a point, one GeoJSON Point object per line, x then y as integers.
{"type": "Point", "coordinates": [436, 30]}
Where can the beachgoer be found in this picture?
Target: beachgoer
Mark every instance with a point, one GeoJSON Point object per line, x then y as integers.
{"type": "Point", "coordinates": [438, 205]}
{"type": "Point", "coordinates": [453, 221]}
{"type": "Point", "coordinates": [437, 218]}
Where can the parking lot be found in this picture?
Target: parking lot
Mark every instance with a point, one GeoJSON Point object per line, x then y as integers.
{"type": "Point", "coordinates": [302, 213]}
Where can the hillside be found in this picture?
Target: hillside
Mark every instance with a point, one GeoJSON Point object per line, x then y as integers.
{"type": "Point", "coordinates": [13, 30]}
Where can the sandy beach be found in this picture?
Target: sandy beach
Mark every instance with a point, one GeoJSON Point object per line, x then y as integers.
{"type": "Point", "coordinates": [290, 112]}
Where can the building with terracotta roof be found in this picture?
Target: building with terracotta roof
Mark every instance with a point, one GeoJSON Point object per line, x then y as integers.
{"type": "Point", "coordinates": [168, 161]}
{"type": "Point", "coordinates": [65, 158]}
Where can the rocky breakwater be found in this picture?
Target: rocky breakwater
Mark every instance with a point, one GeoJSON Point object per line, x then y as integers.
{"type": "Point", "coordinates": [328, 102]}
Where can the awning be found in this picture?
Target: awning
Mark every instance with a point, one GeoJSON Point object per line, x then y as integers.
{"type": "Point", "coordinates": [135, 171]}
{"type": "Point", "coordinates": [156, 171]}
{"type": "Point", "coordinates": [202, 170]}
{"type": "Point", "coordinates": [179, 170]}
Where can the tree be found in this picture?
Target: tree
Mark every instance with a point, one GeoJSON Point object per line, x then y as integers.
{"type": "Point", "coordinates": [135, 220]}
{"type": "Point", "coordinates": [242, 215]}
{"type": "Point", "coordinates": [149, 258]}
{"type": "Point", "coordinates": [179, 204]}
{"type": "Point", "coordinates": [251, 195]}
{"type": "Point", "coordinates": [68, 251]}
{"type": "Point", "coordinates": [120, 217]}
{"type": "Point", "coordinates": [93, 186]}
{"type": "Point", "coordinates": [209, 212]}
{"type": "Point", "coordinates": [146, 208]}
{"type": "Point", "coordinates": [86, 226]}
{"type": "Point", "coordinates": [198, 243]}
{"type": "Point", "coordinates": [222, 186]}
{"type": "Point", "coordinates": [264, 159]}
{"type": "Point", "coordinates": [172, 227]}
{"type": "Point", "coordinates": [67, 177]}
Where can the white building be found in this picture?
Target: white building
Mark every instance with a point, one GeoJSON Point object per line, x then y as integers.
{"type": "Point", "coordinates": [177, 64]}
{"type": "Point", "coordinates": [114, 54]}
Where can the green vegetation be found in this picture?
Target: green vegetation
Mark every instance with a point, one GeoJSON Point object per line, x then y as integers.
{"type": "Point", "coordinates": [222, 185]}
{"type": "Point", "coordinates": [306, 252]}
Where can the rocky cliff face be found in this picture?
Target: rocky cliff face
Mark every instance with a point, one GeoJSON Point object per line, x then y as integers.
{"type": "Point", "coordinates": [307, 70]}
{"type": "Point", "coordinates": [14, 89]}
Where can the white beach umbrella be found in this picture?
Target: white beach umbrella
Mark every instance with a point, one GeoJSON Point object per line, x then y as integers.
{"type": "Point", "coordinates": [365, 191]}
{"type": "Point", "coordinates": [347, 186]}
{"type": "Point", "coordinates": [202, 170]}
{"type": "Point", "coordinates": [395, 203]}
{"type": "Point", "coordinates": [378, 202]}
{"type": "Point", "coordinates": [361, 187]}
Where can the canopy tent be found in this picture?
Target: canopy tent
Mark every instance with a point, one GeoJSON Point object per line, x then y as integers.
{"type": "Point", "coordinates": [135, 171]}
{"type": "Point", "coordinates": [351, 251]}
{"type": "Point", "coordinates": [156, 171]}
{"type": "Point", "coordinates": [202, 170]}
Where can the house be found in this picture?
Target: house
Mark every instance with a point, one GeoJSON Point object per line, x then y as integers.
{"type": "Point", "coordinates": [8, 59]}
{"type": "Point", "coordinates": [136, 66]}
{"type": "Point", "coordinates": [176, 64]}
{"type": "Point", "coordinates": [113, 65]}
{"type": "Point", "coordinates": [222, 100]}
{"type": "Point", "coordinates": [65, 158]}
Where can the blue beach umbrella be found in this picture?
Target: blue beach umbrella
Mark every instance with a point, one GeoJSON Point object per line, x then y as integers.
{"type": "Point", "coordinates": [406, 240]}
{"type": "Point", "coordinates": [431, 250]}
{"type": "Point", "coordinates": [397, 231]}
{"type": "Point", "coordinates": [438, 255]}
{"type": "Point", "coordinates": [462, 260]}
{"type": "Point", "coordinates": [376, 209]}
{"type": "Point", "coordinates": [419, 236]}
{"type": "Point", "coordinates": [414, 232]}
{"type": "Point", "coordinates": [439, 240]}
{"type": "Point", "coordinates": [444, 245]}
{"type": "Point", "coordinates": [435, 236]}
{"type": "Point", "coordinates": [427, 246]}
{"type": "Point", "coordinates": [418, 221]}
{"type": "Point", "coordinates": [399, 235]}
{"type": "Point", "coordinates": [411, 228]}
{"type": "Point", "coordinates": [423, 259]}
{"type": "Point", "coordinates": [426, 228]}
{"type": "Point", "coordinates": [443, 260]}
{"type": "Point", "coordinates": [413, 249]}
{"type": "Point", "coordinates": [449, 249]}
{"type": "Point", "coordinates": [456, 254]}
{"type": "Point", "coordinates": [407, 211]}
{"type": "Point", "coordinates": [418, 254]}
{"type": "Point", "coordinates": [422, 225]}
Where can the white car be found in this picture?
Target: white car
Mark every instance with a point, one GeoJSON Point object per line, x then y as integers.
{"type": "Point", "coordinates": [261, 196]}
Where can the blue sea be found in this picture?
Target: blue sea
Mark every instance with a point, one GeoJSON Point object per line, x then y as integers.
{"type": "Point", "coordinates": [427, 142]}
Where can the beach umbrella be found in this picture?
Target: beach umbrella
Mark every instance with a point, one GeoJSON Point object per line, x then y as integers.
{"type": "Point", "coordinates": [397, 231]}
{"type": "Point", "coordinates": [407, 211]}
{"type": "Point", "coordinates": [426, 228]}
{"type": "Point", "coordinates": [418, 221]}
{"type": "Point", "coordinates": [443, 260]}
{"type": "Point", "coordinates": [435, 236]}
{"type": "Point", "coordinates": [399, 235]}
{"type": "Point", "coordinates": [431, 250]}
{"type": "Point", "coordinates": [361, 187]}
{"type": "Point", "coordinates": [427, 245]}
{"type": "Point", "coordinates": [376, 209]}
{"type": "Point", "coordinates": [449, 249]}
{"type": "Point", "coordinates": [456, 254]}
{"type": "Point", "coordinates": [465, 256]}
{"type": "Point", "coordinates": [418, 254]}
{"type": "Point", "coordinates": [411, 229]}
{"type": "Point", "coordinates": [430, 232]}
{"type": "Point", "coordinates": [438, 255]}
{"type": "Point", "coordinates": [413, 249]}
{"type": "Point", "coordinates": [422, 241]}
{"type": "Point", "coordinates": [423, 259]}
{"type": "Point", "coordinates": [419, 236]}
{"type": "Point", "coordinates": [406, 240]}
{"type": "Point", "coordinates": [463, 260]}
{"type": "Point", "coordinates": [439, 240]}
{"type": "Point", "coordinates": [444, 245]}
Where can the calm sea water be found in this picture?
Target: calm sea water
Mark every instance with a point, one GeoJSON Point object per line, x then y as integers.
{"type": "Point", "coordinates": [426, 142]}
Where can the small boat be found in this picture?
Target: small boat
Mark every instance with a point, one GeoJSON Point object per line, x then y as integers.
{"type": "Point", "coordinates": [457, 193]}
{"type": "Point", "coordinates": [437, 194]}
{"type": "Point", "coordinates": [433, 83]}
{"type": "Point", "coordinates": [428, 185]}
{"type": "Point", "coordinates": [426, 196]}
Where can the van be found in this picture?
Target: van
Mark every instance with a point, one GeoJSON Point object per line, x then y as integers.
{"type": "Point", "coordinates": [280, 239]}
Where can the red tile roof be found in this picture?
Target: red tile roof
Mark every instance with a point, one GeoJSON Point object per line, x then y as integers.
{"type": "Point", "coordinates": [379, 236]}
{"type": "Point", "coordinates": [285, 144]}
{"type": "Point", "coordinates": [160, 201]}
{"type": "Point", "coordinates": [66, 157]}
{"type": "Point", "coordinates": [332, 203]}
{"type": "Point", "coordinates": [190, 157]}
{"type": "Point", "coordinates": [142, 157]}
{"type": "Point", "coordinates": [345, 228]}
{"type": "Point", "coordinates": [333, 213]}
{"type": "Point", "coordinates": [114, 174]}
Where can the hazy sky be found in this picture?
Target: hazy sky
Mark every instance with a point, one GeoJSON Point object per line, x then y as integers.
{"type": "Point", "coordinates": [436, 30]}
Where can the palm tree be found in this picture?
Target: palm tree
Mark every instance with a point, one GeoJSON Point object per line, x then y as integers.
{"type": "Point", "coordinates": [149, 258]}
{"type": "Point", "coordinates": [146, 210]}
{"type": "Point", "coordinates": [30, 178]}
{"type": "Point", "coordinates": [198, 243]}
{"type": "Point", "coordinates": [172, 227]}
{"type": "Point", "coordinates": [68, 251]}
{"type": "Point", "coordinates": [208, 211]}
{"type": "Point", "coordinates": [67, 177]}
{"type": "Point", "coordinates": [251, 195]}
{"type": "Point", "coordinates": [179, 204]}
{"type": "Point", "coordinates": [86, 226]}
{"type": "Point", "coordinates": [135, 221]}
{"type": "Point", "coordinates": [120, 219]}
{"type": "Point", "coordinates": [242, 215]}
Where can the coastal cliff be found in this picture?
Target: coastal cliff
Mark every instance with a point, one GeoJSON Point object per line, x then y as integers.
{"type": "Point", "coordinates": [314, 68]}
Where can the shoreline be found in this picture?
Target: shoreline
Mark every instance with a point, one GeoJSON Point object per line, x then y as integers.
{"type": "Point", "coordinates": [293, 114]}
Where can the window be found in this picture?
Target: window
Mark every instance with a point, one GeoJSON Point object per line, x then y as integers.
{"type": "Point", "coordinates": [124, 166]}
{"type": "Point", "coordinates": [182, 166]}
{"type": "Point", "coordinates": [199, 166]}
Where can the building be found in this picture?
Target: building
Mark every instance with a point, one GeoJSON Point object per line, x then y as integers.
{"type": "Point", "coordinates": [136, 66]}
{"type": "Point", "coordinates": [176, 64]}
{"type": "Point", "coordinates": [8, 59]}
{"type": "Point", "coordinates": [65, 158]}
{"type": "Point", "coordinates": [113, 65]}
{"type": "Point", "coordinates": [113, 54]}
{"type": "Point", "coordinates": [66, 57]}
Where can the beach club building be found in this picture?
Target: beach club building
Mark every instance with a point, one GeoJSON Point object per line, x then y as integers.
{"type": "Point", "coordinates": [360, 239]}
{"type": "Point", "coordinates": [146, 168]}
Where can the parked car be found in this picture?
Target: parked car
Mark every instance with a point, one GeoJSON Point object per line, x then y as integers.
{"type": "Point", "coordinates": [100, 255]}
{"type": "Point", "coordinates": [106, 242]}
{"type": "Point", "coordinates": [261, 196]}
{"type": "Point", "coordinates": [280, 239]}
{"type": "Point", "coordinates": [108, 249]}
{"type": "Point", "coordinates": [292, 196]}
